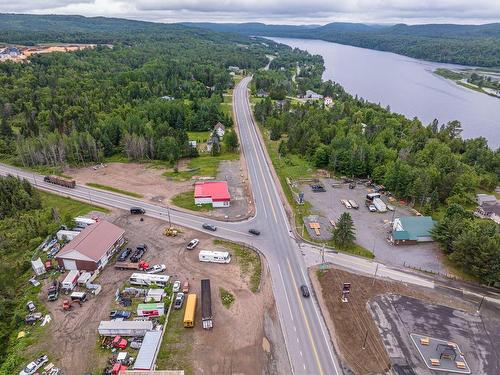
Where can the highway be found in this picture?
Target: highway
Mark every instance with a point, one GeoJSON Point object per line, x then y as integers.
{"type": "Point", "coordinates": [307, 340]}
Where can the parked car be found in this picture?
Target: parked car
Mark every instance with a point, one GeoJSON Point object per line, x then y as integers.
{"type": "Point", "coordinates": [124, 254]}
{"type": "Point", "coordinates": [117, 314]}
{"type": "Point", "coordinates": [185, 287]}
{"type": "Point", "coordinates": [179, 300]}
{"type": "Point", "coordinates": [53, 292]}
{"type": "Point", "coordinates": [390, 207]}
{"type": "Point", "coordinates": [192, 244]}
{"type": "Point", "coordinates": [30, 306]}
{"type": "Point", "coordinates": [33, 318]}
{"type": "Point", "coordinates": [142, 246]}
{"type": "Point", "coordinates": [318, 188]}
{"type": "Point", "coordinates": [156, 268]}
{"type": "Point", "coordinates": [211, 227]}
{"type": "Point", "coordinates": [176, 287]}
{"type": "Point", "coordinates": [254, 231]}
{"type": "Point", "coordinates": [137, 255]}
{"type": "Point", "coordinates": [35, 365]}
{"type": "Point", "coordinates": [305, 290]}
{"type": "Point", "coordinates": [136, 343]}
{"type": "Point", "coordinates": [372, 208]}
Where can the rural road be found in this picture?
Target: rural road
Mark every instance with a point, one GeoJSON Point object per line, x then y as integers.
{"type": "Point", "coordinates": [307, 340]}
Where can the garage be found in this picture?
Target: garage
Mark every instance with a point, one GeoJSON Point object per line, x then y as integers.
{"type": "Point", "coordinates": [69, 264]}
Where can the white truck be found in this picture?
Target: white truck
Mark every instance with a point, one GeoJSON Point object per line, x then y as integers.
{"type": "Point", "coordinates": [83, 222]}
{"type": "Point", "coordinates": [70, 280]}
{"type": "Point", "coordinates": [380, 205]}
{"type": "Point", "coordinates": [214, 256]}
{"type": "Point", "coordinates": [67, 235]}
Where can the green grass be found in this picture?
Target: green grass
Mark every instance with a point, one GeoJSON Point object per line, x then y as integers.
{"type": "Point", "coordinates": [200, 137]}
{"type": "Point", "coordinates": [226, 298]}
{"type": "Point", "coordinates": [186, 200]}
{"type": "Point", "coordinates": [204, 165]}
{"type": "Point", "coordinates": [176, 347]}
{"type": "Point", "coordinates": [114, 190]}
{"type": "Point", "coordinates": [117, 158]}
{"type": "Point", "coordinates": [248, 260]}
{"type": "Point", "coordinates": [68, 206]}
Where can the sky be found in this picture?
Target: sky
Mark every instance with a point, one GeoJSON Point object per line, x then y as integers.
{"type": "Point", "coordinates": [271, 11]}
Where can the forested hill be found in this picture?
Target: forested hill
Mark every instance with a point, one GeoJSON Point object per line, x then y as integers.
{"type": "Point", "coordinates": [477, 45]}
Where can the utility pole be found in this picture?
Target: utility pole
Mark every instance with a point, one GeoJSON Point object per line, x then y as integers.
{"type": "Point", "coordinates": [169, 221]}
{"type": "Point", "coordinates": [375, 275]}
{"type": "Point", "coordinates": [480, 304]}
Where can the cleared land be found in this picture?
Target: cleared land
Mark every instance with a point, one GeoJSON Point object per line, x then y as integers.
{"type": "Point", "coordinates": [235, 345]}
{"type": "Point", "coordinates": [351, 324]}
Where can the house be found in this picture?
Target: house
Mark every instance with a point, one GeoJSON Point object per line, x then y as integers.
{"type": "Point", "coordinates": [280, 104]}
{"type": "Point", "coordinates": [485, 198]}
{"type": "Point", "coordinates": [234, 69]}
{"type": "Point", "coordinates": [408, 230]}
{"type": "Point", "coordinates": [219, 129]}
{"type": "Point", "coordinates": [313, 95]}
{"type": "Point", "coordinates": [489, 211]}
{"type": "Point", "coordinates": [215, 193]}
{"type": "Point", "coordinates": [261, 93]}
{"type": "Point", "coordinates": [167, 98]}
{"type": "Point", "coordinates": [328, 101]}
{"type": "Point", "coordinates": [213, 141]}
{"type": "Point", "coordinates": [92, 248]}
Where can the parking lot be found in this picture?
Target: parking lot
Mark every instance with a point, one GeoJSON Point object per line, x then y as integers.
{"type": "Point", "coordinates": [245, 338]}
{"type": "Point", "coordinates": [371, 227]}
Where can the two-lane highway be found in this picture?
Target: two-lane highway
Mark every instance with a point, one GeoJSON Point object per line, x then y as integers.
{"type": "Point", "coordinates": [306, 337]}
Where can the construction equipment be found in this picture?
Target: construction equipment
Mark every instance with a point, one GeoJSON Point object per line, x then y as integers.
{"type": "Point", "coordinates": [171, 232]}
{"type": "Point", "coordinates": [68, 305]}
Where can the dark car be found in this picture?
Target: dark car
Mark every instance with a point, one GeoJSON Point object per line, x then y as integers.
{"type": "Point", "coordinates": [318, 188]}
{"type": "Point", "coordinates": [53, 292]}
{"type": "Point", "coordinates": [305, 290]}
{"type": "Point", "coordinates": [137, 211]}
{"type": "Point", "coordinates": [142, 247]}
{"type": "Point", "coordinates": [124, 254]}
{"type": "Point", "coordinates": [137, 255]}
{"type": "Point", "coordinates": [254, 231]}
{"type": "Point", "coordinates": [211, 227]}
{"type": "Point", "coordinates": [119, 314]}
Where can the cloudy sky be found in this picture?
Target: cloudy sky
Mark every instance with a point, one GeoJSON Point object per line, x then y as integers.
{"type": "Point", "coordinates": [271, 11]}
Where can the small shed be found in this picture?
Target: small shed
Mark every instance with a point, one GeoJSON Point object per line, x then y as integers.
{"type": "Point", "coordinates": [154, 295]}
{"type": "Point", "coordinates": [38, 267]}
{"type": "Point", "coordinates": [146, 357]}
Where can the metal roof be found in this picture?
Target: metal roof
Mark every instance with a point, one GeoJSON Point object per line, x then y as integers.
{"type": "Point", "coordinates": [414, 227]}
{"type": "Point", "coordinates": [126, 324]}
{"type": "Point", "coordinates": [217, 190]}
{"type": "Point", "coordinates": [149, 349]}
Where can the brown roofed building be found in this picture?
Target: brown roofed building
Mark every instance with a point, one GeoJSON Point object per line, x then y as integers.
{"type": "Point", "coordinates": [92, 248]}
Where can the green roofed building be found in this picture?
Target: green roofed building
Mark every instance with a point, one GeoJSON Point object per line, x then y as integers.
{"type": "Point", "coordinates": [409, 230]}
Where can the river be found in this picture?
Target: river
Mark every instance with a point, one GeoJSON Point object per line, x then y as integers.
{"type": "Point", "coordinates": [407, 85]}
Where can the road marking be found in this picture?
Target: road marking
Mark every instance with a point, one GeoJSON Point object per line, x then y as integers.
{"type": "Point", "coordinates": [286, 295]}
{"type": "Point", "coordinates": [305, 318]}
{"type": "Point", "coordinates": [300, 351]}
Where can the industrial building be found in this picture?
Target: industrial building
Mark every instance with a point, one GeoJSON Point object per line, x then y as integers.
{"type": "Point", "coordinates": [409, 230]}
{"type": "Point", "coordinates": [215, 193]}
{"type": "Point", "coordinates": [92, 248]}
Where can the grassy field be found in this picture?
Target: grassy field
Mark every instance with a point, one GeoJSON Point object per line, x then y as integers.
{"type": "Point", "coordinates": [68, 206]}
{"type": "Point", "coordinates": [248, 260]}
{"type": "Point", "coordinates": [204, 165]}
{"type": "Point", "coordinates": [226, 298]}
{"type": "Point", "coordinates": [114, 190]}
{"type": "Point", "coordinates": [176, 347]}
{"type": "Point", "coordinates": [200, 137]}
{"type": "Point", "coordinates": [186, 200]}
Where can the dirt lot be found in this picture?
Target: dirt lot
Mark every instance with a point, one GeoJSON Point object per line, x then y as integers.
{"type": "Point", "coordinates": [238, 342]}
{"type": "Point", "coordinates": [350, 324]}
{"type": "Point", "coordinates": [371, 227]}
{"type": "Point", "coordinates": [153, 186]}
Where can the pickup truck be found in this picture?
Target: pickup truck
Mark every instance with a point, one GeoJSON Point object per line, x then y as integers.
{"type": "Point", "coordinates": [142, 265]}
{"type": "Point", "coordinates": [35, 365]}
{"type": "Point", "coordinates": [119, 314]}
{"type": "Point", "coordinates": [53, 292]}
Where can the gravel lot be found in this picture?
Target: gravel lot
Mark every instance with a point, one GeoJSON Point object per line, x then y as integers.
{"type": "Point", "coordinates": [372, 227]}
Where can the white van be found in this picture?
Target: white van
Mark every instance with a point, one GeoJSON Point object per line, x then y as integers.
{"type": "Point", "coordinates": [214, 256]}
{"type": "Point", "coordinates": [146, 279]}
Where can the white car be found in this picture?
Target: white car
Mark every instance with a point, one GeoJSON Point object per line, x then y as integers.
{"type": "Point", "coordinates": [192, 244]}
{"type": "Point", "coordinates": [177, 286]}
{"type": "Point", "coordinates": [35, 365]}
{"type": "Point", "coordinates": [156, 268]}
{"type": "Point", "coordinates": [372, 208]}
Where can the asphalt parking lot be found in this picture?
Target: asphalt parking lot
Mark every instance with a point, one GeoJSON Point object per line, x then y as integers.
{"type": "Point", "coordinates": [397, 316]}
{"type": "Point", "coordinates": [372, 227]}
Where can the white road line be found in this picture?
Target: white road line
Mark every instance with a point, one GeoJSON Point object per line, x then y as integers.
{"type": "Point", "coordinates": [286, 295]}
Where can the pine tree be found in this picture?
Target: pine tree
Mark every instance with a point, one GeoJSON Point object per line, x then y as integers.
{"type": "Point", "coordinates": [344, 234]}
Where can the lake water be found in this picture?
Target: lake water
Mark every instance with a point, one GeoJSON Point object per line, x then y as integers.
{"type": "Point", "coordinates": [407, 85]}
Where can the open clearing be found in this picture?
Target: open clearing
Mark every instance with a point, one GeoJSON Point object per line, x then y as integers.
{"type": "Point", "coordinates": [350, 323]}
{"type": "Point", "coordinates": [235, 345]}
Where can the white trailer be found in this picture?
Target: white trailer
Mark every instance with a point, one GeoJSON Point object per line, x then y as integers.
{"type": "Point", "coordinates": [214, 256]}
{"type": "Point", "coordinates": [38, 266]}
{"type": "Point", "coordinates": [83, 222]}
{"type": "Point", "coordinates": [124, 327]}
{"type": "Point", "coordinates": [67, 235]}
{"type": "Point", "coordinates": [353, 204]}
{"type": "Point", "coordinates": [146, 279]}
{"type": "Point", "coordinates": [70, 280]}
{"type": "Point", "coordinates": [380, 205]}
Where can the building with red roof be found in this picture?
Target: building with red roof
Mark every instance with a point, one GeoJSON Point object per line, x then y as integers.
{"type": "Point", "coordinates": [92, 248]}
{"type": "Point", "coordinates": [215, 193]}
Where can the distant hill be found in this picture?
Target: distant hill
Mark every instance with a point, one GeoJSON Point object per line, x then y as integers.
{"type": "Point", "coordinates": [477, 45]}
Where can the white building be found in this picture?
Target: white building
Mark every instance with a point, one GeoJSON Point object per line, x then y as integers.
{"type": "Point", "coordinates": [313, 95]}
{"type": "Point", "coordinates": [220, 130]}
{"type": "Point", "coordinates": [328, 101]}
